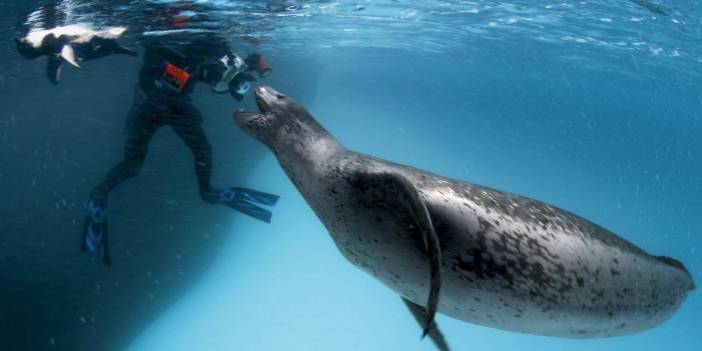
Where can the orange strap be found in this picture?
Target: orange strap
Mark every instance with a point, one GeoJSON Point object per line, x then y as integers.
{"type": "Point", "coordinates": [262, 64]}
{"type": "Point", "coordinates": [180, 75]}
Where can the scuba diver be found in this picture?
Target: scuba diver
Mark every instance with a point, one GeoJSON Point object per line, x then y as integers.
{"type": "Point", "coordinates": [174, 61]}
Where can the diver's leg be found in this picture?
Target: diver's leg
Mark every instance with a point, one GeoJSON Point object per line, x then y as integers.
{"type": "Point", "coordinates": [139, 134]}
{"type": "Point", "coordinates": [188, 126]}
{"type": "Point", "coordinates": [139, 131]}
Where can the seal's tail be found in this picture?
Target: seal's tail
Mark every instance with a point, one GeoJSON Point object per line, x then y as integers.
{"type": "Point", "coordinates": [679, 265]}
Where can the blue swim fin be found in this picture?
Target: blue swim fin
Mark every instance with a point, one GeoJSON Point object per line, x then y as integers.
{"type": "Point", "coordinates": [94, 239]}
{"type": "Point", "coordinates": [245, 201]}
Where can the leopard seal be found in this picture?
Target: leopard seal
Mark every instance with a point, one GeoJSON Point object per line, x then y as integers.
{"type": "Point", "coordinates": [467, 251]}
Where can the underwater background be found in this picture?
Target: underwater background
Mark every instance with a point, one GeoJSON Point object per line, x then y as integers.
{"type": "Point", "coordinates": [592, 106]}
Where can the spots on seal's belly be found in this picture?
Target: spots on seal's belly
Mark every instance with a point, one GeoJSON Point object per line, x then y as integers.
{"type": "Point", "coordinates": [483, 265]}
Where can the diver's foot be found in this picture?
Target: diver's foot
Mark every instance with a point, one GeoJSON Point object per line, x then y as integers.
{"type": "Point", "coordinates": [245, 201]}
{"type": "Point", "coordinates": [94, 239]}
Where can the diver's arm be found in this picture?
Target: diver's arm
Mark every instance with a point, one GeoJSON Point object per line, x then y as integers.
{"type": "Point", "coordinates": [213, 48]}
{"type": "Point", "coordinates": [228, 72]}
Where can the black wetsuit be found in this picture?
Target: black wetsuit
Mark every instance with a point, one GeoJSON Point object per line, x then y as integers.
{"type": "Point", "coordinates": [156, 104]}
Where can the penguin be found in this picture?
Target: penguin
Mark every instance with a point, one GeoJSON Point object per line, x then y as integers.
{"type": "Point", "coordinates": [71, 43]}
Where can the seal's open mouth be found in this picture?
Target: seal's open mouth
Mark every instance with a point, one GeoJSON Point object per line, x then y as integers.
{"type": "Point", "coordinates": [260, 103]}
{"type": "Point", "coordinates": [264, 96]}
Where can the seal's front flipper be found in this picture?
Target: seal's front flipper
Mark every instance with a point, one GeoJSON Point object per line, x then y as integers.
{"type": "Point", "coordinates": [435, 334]}
{"type": "Point", "coordinates": [245, 201]}
{"type": "Point", "coordinates": [53, 69]}
{"type": "Point", "coordinates": [394, 192]}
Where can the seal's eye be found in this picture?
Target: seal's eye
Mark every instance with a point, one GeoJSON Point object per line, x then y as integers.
{"type": "Point", "coordinates": [279, 95]}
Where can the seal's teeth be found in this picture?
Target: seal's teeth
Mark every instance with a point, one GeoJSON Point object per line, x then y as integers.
{"type": "Point", "coordinates": [261, 104]}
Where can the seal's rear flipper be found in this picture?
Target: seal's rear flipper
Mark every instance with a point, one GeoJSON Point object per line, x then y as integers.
{"type": "Point", "coordinates": [679, 265]}
{"type": "Point", "coordinates": [53, 69]}
{"type": "Point", "coordinates": [435, 333]}
{"type": "Point", "coordinates": [393, 192]}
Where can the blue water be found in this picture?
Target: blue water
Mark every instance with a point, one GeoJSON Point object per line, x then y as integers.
{"type": "Point", "coordinates": [593, 106]}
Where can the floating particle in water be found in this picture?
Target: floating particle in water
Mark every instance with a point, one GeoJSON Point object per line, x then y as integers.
{"type": "Point", "coordinates": [406, 14]}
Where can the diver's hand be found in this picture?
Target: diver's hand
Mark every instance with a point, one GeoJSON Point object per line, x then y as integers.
{"type": "Point", "coordinates": [256, 62]}
{"type": "Point", "coordinates": [240, 85]}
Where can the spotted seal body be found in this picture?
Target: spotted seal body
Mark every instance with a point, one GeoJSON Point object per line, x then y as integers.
{"type": "Point", "coordinates": [507, 261]}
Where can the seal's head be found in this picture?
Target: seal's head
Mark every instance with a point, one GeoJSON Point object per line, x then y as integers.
{"type": "Point", "coordinates": [281, 123]}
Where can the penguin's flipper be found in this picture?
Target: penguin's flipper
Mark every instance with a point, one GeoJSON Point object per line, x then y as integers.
{"type": "Point", "coordinates": [435, 333]}
{"type": "Point", "coordinates": [53, 69]}
{"type": "Point", "coordinates": [68, 54]}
